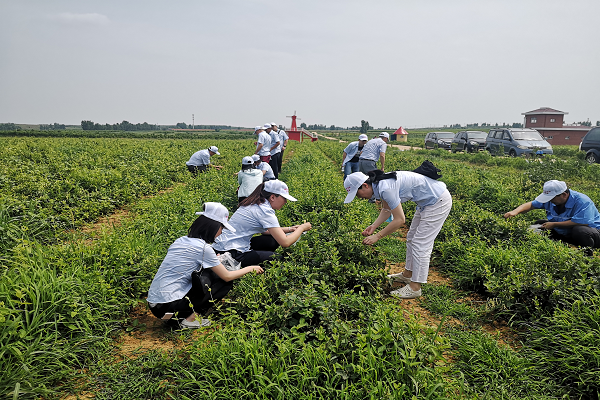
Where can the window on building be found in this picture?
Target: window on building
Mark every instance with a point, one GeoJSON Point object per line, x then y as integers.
{"type": "Point", "coordinates": [567, 137]}
{"type": "Point", "coordinates": [533, 120]}
{"type": "Point", "coordinates": [548, 137]}
{"type": "Point", "coordinates": [552, 120]}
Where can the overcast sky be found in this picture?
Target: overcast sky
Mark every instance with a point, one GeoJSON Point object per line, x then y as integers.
{"type": "Point", "coordinates": [410, 63]}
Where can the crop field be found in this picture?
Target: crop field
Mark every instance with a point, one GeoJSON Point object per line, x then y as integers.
{"type": "Point", "coordinates": [508, 314]}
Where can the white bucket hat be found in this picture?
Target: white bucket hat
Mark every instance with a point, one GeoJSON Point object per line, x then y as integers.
{"type": "Point", "coordinates": [247, 160]}
{"type": "Point", "coordinates": [363, 137]}
{"type": "Point", "coordinates": [214, 149]}
{"type": "Point", "coordinates": [353, 183]}
{"type": "Point", "coordinates": [551, 189]}
{"type": "Point", "coordinates": [278, 187]}
{"type": "Point", "coordinates": [255, 157]}
{"type": "Point", "coordinates": [217, 212]}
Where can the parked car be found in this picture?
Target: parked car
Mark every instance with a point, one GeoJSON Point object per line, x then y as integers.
{"type": "Point", "coordinates": [441, 140]}
{"type": "Point", "coordinates": [516, 142]}
{"type": "Point", "coordinates": [469, 141]}
{"type": "Point", "coordinates": [591, 145]}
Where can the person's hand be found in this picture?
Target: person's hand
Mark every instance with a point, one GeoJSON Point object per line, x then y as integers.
{"type": "Point", "coordinates": [258, 269]}
{"type": "Point", "coordinates": [510, 214]}
{"type": "Point", "coordinates": [548, 225]}
{"type": "Point", "coordinates": [371, 240]}
{"type": "Point", "coordinates": [369, 231]}
{"type": "Point", "coordinates": [306, 226]}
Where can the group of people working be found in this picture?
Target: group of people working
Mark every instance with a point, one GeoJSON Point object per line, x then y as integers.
{"type": "Point", "coordinates": [253, 233]}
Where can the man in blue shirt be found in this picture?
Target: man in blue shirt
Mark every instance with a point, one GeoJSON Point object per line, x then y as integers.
{"type": "Point", "coordinates": [572, 216]}
{"type": "Point", "coordinates": [351, 154]}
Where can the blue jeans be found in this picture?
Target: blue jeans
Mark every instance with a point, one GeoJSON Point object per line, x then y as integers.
{"type": "Point", "coordinates": [349, 168]}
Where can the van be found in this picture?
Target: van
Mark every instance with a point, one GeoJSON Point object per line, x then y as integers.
{"type": "Point", "coordinates": [516, 142]}
{"type": "Point", "coordinates": [591, 145]}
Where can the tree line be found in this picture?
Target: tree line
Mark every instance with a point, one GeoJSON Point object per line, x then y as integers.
{"type": "Point", "coordinates": [123, 126]}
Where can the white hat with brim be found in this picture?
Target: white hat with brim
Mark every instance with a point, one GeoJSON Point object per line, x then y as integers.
{"type": "Point", "coordinates": [214, 149]}
{"type": "Point", "coordinates": [551, 189]}
{"type": "Point", "coordinates": [258, 128]}
{"type": "Point", "coordinates": [363, 137]}
{"type": "Point", "coordinates": [267, 126]}
{"type": "Point", "coordinates": [384, 135]}
{"type": "Point", "coordinates": [247, 160]}
{"type": "Point", "coordinates": [217, 212]}
{"type": "Point", "coordinates": [352, 183]}
{"type": "Point", "coordinates": [278, 187]}
{"type": "Point", "coordinates": [255, 157]}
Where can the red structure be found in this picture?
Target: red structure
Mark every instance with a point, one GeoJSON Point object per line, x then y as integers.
{"type": "Point", "coordinates": [298, 134]}
{"type": "Point", "coordinates": [550, 124]}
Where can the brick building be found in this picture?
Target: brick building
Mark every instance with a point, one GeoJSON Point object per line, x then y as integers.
{"type": "Point", "coordinates": [550, 124]}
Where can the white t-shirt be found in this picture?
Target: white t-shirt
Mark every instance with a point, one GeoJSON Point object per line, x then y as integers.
{"type": "Point", "coordinates": [372, 149]}
{"type": "Point", "coordinates": [247, 221]}
{"type": "Point", "coordinates": [283, 136]}
{"type": "Point", "coordinates": [174, 277]}
{"type": "Point", "coordinates": [201, 157]}
{"type": "Point", "coordinates": [274, 139]}
{"type": "Point", "coordinates": [248, 181]}
{"type": "Point", "coordinates": [264, 166]}
{"type": "Point", "coordinates": [409, 186]}
{"type": "Point", "coordinates": [265, 139]}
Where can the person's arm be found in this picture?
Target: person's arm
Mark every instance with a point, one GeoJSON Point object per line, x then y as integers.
{"type": "Point", "coordinates": [561, 224]}
{"type": "Point", "coordinates": [523, 208]}
{"type": "Point", "coordinates": [279, 234]}
{"type": "Point", "coordinates": [264, 172]}
{"type": "Point", "coordinates": [397, 222]}
{"type": "Point", "coordinates": [260, 145]}
{"type": "Point", "coordinates": [382, 158]}
{"type": "Point", "coordinates": [275, 146]}
{"type": "Point", "coordinates": [228, 275]}
{"type": "Point", "coordinates": [344, 157]}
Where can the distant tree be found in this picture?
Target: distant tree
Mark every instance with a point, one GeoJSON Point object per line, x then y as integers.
{"type": "Point", "coordinates": [517, 125]}
{"type": "Point", "coordinates": [303, 125]}
{"type": "Point", "coordinates": [181, 125]}
{"type": "Point", "coordinates": [364, 126]}
{"type": "Point", "coordinates": [332, 128]}
{"type": "Point", "coordinates": [585, 123]}
{"type": "Point", "coordinates": [9, 127]}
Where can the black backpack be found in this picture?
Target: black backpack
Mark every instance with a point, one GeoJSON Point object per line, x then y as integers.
{"type": "Point", "coordinates": [429, 170]}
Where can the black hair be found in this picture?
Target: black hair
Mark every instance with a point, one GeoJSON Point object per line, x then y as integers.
{"type": "Point", "coordinates": [204, 228]}
{"type": "Point", "coordinates": [247, 166]}
{"type": "Point", "coordinates": [377, 175]}
{"type": "Point", "coordinates": [258, 196]}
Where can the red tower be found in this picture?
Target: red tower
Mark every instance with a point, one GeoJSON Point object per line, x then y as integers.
{"type": "Point", "coordinates": [296, 134]}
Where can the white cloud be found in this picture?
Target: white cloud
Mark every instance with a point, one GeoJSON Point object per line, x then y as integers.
{"type": "Point", "coordinates": [81, 19]}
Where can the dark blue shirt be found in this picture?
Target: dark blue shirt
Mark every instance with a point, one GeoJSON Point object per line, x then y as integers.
{"type": "Point", "coordinates": [579, 208]}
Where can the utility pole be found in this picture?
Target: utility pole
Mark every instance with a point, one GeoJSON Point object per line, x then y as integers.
{"type": "Point", "coordinates": [192, 121]}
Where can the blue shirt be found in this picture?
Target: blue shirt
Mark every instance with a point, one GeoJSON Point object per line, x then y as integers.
{"type": "Point", "coordinates": [247, 221]}
{"type": "Point", "coordinates": [174, 277]}
{"type": "Point", "coordinates": [201, 157]}
{"type": "Point", "coordinates": [372, 149]}
{"type": "Point", "coordinates": [409, 186]}
{"type": "Point", "coordinates": [579, 208]}
{"type": "Point", "coordinates": [351, 151]}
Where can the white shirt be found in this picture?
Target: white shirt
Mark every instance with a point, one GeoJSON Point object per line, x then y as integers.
{"type": "Point", "coordinates": [372, 149]}
{"type": "Point", "coordinates": [174, 277]}
{"type": "Point", "coordinates": [274, 139]}
{"type": "Point", "coordinates": [265, 139]}
{"type": "Point", "coordinates": [247, 221]}
{"type": "Point", "coordinates": [201, 157]}
{"type": "Point", "coordinates": [351, 151]}
{"type": "Point", "coordinates": [248, 181]}
{"type": "Point", "coordinates": [283, 136]}
{"type": "Point", "coordinates": [409, 186]}
{"type": "Point", "coordinates": [263, 166]}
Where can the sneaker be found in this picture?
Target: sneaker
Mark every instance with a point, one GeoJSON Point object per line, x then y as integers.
{"type": "Point", "coordinates": [185, 324]}
{"type": "Point", "coordinates": [399, 278]}
{"type": "Point", "coordinates": [406, 293]}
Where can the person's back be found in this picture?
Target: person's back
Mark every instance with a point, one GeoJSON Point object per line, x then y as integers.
{"type": "Point", "coordinates": [248, 180]}
{"type": "Point", "coordinates": [372, 149]}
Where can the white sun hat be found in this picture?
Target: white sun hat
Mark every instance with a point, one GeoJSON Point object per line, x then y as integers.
{"type": "Point", "coordinates": [363, 137]}
{"type": "Point", "coordinates": [217, 212]}
{"type": "Point", "coordinates": [214, 149]}
{"type": "Point", "coordinates": [353, 183]}
{"type": "Point", "coordinates": [278, 187]}
{"type": "Point", "coordinates": [247, 160]}
{"type": "Point", "coordinates": [267, 126]}
{"type": "Point", "coordinates": [551, 189]}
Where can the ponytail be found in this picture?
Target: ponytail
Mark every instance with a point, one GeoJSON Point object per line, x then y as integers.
{"type": "Point", "coordinates": [258, 196]}
{"type": "Point", "coordinates": [377, 175]}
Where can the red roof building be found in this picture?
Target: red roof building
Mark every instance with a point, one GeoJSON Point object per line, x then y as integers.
{"type": "Point", "coordinates": [550, 124]}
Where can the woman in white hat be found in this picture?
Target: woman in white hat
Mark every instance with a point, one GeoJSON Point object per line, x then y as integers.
{"type": "Point", "coordinates": [248, 178]}
{"type": "Point", "coordinates": [256, 215]}
{"type": "Point", "coordinates": [172, 296]}
{"type": "Point", "coordinates": [433, 206]}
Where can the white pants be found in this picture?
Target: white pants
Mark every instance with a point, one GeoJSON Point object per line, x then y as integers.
{"type": "Point", "coordinates": [424, 228]}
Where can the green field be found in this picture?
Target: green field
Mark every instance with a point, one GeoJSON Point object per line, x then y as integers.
{"type": "Point", "coordinates": [319, 323]}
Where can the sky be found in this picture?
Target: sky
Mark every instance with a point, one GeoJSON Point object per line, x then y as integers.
{"type": "Point", "coordinates": [410, 63]}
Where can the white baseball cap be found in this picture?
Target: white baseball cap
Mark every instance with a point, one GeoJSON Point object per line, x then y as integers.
{"type": "Point", "coordinates": [551, 189]}
{"type": "Point", "coordinates": [267, 126]}
{"type": "Point", "coordinates": [247, 160]}
{"type": "Point", "coordinates": [385, 135]}
{"type": "Point", "coordinates": [214, 149]}
{"type": "Point", "coordinates": [255, 157]}
{"type": "Point", "coordinates": [273, 124]}
{"type": "Point", "coordinates": [363, 137]}
{"type": "Point", "coordinates": [353, 183]}
{"type": "Point", "coordinates": [258, 128]}
{"type": "Point", "coordinates": [216, 212]}
{"type": "Point", "coordinates": [278, 187]}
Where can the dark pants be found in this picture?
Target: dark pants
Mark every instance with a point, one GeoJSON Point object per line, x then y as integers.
{"type": "Point", "coordinates": [199, 302]}
{"type": "Point", "coordinates": [280, 159]}
{"type": "Point", "coordinates": [581, 236]}
{"type": "Point", "coordinates": [195, 169]}
{"type": "Point", "coordinates": [262, 248]}
{"type": "Point", "coordinates": [274, 163]}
